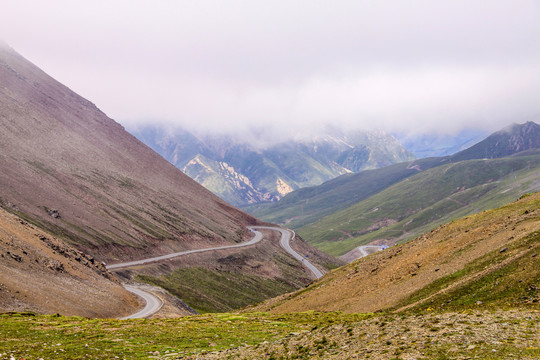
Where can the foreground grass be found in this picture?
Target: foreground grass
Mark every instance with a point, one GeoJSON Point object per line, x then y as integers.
{"type": "Point", "coordinates": [479, 334]}
{"type": "Point", "coordinates": [472, 334]}
{"type": "Point", "coordinates": [31, 336]}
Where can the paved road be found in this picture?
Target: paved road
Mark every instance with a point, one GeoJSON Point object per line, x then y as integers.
{"type": "Point", "coordinates": [258, 237]}
{"type": "Point", "coordinates": [153, 303]}
{"type": "Point", "coordinates": [286, 236]}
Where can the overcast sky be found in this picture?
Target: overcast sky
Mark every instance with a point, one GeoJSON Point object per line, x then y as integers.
{"type": "Point", "coordinates": [399, 65]}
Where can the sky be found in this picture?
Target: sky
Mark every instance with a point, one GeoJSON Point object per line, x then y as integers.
{"type": "Point", "coordinates": [294, 66]}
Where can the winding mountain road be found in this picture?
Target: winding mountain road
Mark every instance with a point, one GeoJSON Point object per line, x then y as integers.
{"type": "Point", "coordinates": [154, 304]}
{"type": "Point", "coordinates": [286, 237]}
{"type": "Point", "coordinates": [258, 237]}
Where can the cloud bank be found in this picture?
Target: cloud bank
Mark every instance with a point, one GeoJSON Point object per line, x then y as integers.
{"type": "Point", "coordinates": [291, 65]}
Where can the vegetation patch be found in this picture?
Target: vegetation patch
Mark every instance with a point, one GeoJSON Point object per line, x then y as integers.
{"type": "Point", "coordinates": [31, 336]}
{"type": "Point", "coordinates": [207, 290]}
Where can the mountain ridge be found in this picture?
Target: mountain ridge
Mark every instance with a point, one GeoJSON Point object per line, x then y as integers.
{"type": "Point", "coordinates": [272, 171]}
{"type": "Point", "coordinates": [512, 139]}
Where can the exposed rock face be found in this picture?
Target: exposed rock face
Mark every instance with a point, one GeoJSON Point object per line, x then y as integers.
{"type": "Point", "coordinates": [241, 173]}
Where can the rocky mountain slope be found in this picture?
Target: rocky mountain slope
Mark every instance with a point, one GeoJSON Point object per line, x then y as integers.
{"type": "Point", "coordinates": [68, 169]}
{"type": "Point", "coordinates": [508, 141]}
{"type": "Point", "coordinates": [243, 173]}
{"type": "Point", "coordinates": [39, 272]}
{"type": "Point", "coordinates": [487, 259]}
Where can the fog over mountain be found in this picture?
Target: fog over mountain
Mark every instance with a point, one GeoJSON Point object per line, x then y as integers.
{"type": "Point", "coordinates": [245, 170]}
{"type": "Point", "coordinates": [284, 67]}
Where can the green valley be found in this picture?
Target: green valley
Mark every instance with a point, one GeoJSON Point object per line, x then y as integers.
{"type": "Point", "coordinates": [421, 202]}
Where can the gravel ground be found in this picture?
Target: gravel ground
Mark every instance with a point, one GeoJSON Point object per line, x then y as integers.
{"type": "Point", "coordinates": [512, 334]}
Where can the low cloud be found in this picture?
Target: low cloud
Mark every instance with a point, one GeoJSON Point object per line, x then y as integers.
{"type": "Point", "coordinates": [441, 99]}
{"type": "Point", "coordinates": [292, 66]}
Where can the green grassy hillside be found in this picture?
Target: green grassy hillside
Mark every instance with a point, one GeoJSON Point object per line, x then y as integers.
{"type": "Point", "coordinates": [421, 202]}
{"type": "Point", "coordinates": [310, 204]}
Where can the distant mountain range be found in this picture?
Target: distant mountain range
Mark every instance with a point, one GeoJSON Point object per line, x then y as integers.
{"type": "Point", "coordinates": [242, 173]}
{"type": "Point", "coordinates": [403, 200]}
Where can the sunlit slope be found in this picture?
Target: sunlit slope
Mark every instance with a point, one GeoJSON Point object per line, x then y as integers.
{"type": "Point", "coordinates": [483, 260]}
{"type": "Point", "coordinates": [423, 201]}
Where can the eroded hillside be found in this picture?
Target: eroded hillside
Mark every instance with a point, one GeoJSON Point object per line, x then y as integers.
{"type": "Point", "coordinates": [39, 272]}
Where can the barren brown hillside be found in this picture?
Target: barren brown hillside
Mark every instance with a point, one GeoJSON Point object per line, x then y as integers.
{"type": "Point", "coordinates": [490, 257]}
{"type": "Point", "coordinates": [40, 273]}
{"type": "Point", "coordinates": [67, 167]}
